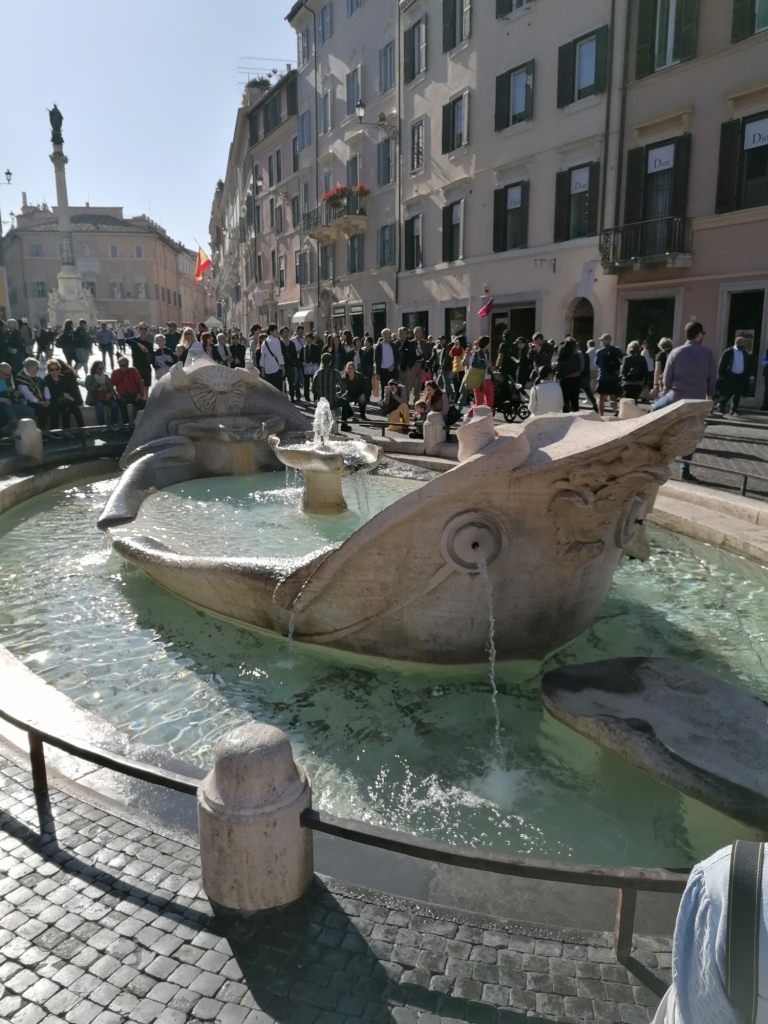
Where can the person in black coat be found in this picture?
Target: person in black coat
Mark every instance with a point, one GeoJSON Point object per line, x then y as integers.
{"type": "Point", "coordinates": [733, 376]}
{"type": "Point", "coordinates": [634, 372]}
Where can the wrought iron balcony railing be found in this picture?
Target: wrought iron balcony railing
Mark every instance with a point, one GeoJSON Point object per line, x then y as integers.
{"type": "Point", "coordinates": [328, 214]}
{"type": "Point", "coordinates": [648, 241]}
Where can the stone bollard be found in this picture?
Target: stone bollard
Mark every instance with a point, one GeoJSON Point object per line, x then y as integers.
{"type": "Point", "coordinates": [255, 855]}
{"type": "Point", "coordinates": [628, 410]}
{"type": "Point", "coordinates": [434, 431]}
{"type": "Point", "coordinates": [28, 440]}
{"type": "Point", "coordinates": [477, 434]}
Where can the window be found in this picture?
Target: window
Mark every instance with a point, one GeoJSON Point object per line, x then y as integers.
{"type": "Point", "coordinates": [36, 249]}
{"type": "Point", "coordinates": [295, 211]}
{"type": "Point", "coordinates": [385, 161]}
{"type": "Point", "coordinates": [666, 34]}
{"type": "Point", "coordinates": [505, 7]}
{"type": "Point", "coordinates": [138, 252]}
{"type": "Point", "coordinates": [279, 219]}
{"type": "Point", "coordinates": [295, 153]}
{"type": "Point", "coordinates": [303, 45]}
{"type": "Point", "coordinates": [387, 67]}
{"type": "Point", "coordinates": [743, 169]}
{"type": "Point", "coordinates": [325, 112]}
{"type": "Point", "coordinates": [353, 89]}
{"type": "Point", "coordinates": [272, 213]}
{"type": "Point", "coordinates": [514, 96]}
{"type": "Point", "coordinates": [657, 181]}
{"type": "Point", "coordinates": [259, 267]}
{"type": "Point", "coordinates": [324, 24]}
{"type": "Point", "coordinates": [352, 6]}
{"type": "Point", "coordinates": [582, 68]}
{"type": "Point", "coordinates": [576, 199]}
{"type": "Point", "coordinates": [273, 262]}
{"type": "Point", "coordinates": [355, 254]}
{"type": "Point", "coordinates": [510, 217]}
{"type": "Point", "coordinates": [257, 218]}
{"type": "Point", "coordinates": [326, 262]}
{"type": "Point", "coordinates": [456, 123]}
{"type": "Point", "coordinates": [39, 290]}
{"type": "Point", "coordinates": [279, 164]}
{"type": "Point", "coordinates": [281, 272]}
{"type": "Point", "coordinates": [113, 252]}
{"type": "Point", "coordinates": [417, 145]}
{"type": "Point", "coordinates": [271, 114]}
{"type": "Point", "coordinates": [414, 253]}
{"type": "Point", "coordinates": [115, 289]}
{"type": "Point", "coordinates": [385, 246]}
{"type": "Point", "coordinates": [749, 17]}
{"type": "Point", "coordinates": [457, 16]}
{"type": "Point", "coordinates": [164, 294]}
{"type": "Point", "coordinates": [415, 50]}
{"type": "Point", "coordinates": [303, 275]}
{"type": "Point", "coordinates": [305, 131]}
{"type": "Point", "coordinates": [271, 170]}
{"type": "Point", "coordinates": [90, 287]}
{"type": "Point", "coordinates": [157, 292]}
{"type": "Point", "coordinates": [453, 231]}
{"type": "Point", "coordinates": [305, 195]}
{"type": "Point", "coordinates": [141, 290]}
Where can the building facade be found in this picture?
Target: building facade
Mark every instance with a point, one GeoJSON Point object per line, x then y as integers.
{"type": "Point", "coordinates": [255, 221]}
{"type": "Point", "coordinates": [133, 269]}
{"type": "Point", "coordinates": [691, 213]}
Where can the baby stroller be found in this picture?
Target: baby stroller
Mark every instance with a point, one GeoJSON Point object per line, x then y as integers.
{"type": "Point", "coordinates": [509, 398]}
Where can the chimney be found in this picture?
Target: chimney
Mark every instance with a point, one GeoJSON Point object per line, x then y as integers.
{"type": "Point", "coordinates": [287, 67]}
{"type": "Point", "coordinates": [23, 200]}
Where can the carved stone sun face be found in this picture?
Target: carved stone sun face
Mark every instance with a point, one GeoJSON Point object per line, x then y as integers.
{"type": "Point", "coordinates": [217, 391]}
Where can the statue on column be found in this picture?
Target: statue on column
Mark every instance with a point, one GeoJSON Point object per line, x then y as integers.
{"type": "Point", "coordinates": [56, 118]}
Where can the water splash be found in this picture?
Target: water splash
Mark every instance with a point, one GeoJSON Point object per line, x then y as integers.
{"type": "Point", "coordinates": [483, 567]}
{"type": "Point", "coordinates": [322, 424]}
{"type": "Point", "coordinates": [291, 627]}
{"type": "Point", "coordinates": [361, 493]}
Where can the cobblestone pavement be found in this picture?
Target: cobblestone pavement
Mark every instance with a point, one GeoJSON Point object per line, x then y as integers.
{"type": "Point", "coordinates": [103, 921]}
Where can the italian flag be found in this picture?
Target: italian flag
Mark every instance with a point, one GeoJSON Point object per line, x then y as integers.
{"type": "Point", "coordinates": [202, 264]}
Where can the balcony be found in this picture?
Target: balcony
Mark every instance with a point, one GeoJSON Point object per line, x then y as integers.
{"type": "Point", "coordinates": [668, 240]}
{"type": "Point", "coordinates": [326, 221]}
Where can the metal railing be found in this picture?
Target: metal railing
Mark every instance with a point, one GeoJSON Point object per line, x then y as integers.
{"type": "Point", "coordinates": [647, 240]}
{"type": "Point", "coordinates": [628, 881]}
{"type": "Point", "coordinates": [744, 477]}
{"type": "Point", "coordinates": [328, 214]}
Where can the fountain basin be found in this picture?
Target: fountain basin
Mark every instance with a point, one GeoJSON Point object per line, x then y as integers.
{"type": "Point", "coordinates": [323, 464]}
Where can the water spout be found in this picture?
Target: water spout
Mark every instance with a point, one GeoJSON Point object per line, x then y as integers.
{"type": "Point", "coordinates": [322, 424]}
{"type": "Point", "coordinates": [483, 567]}
{"type": "Point", "coordinates": [291, 627]}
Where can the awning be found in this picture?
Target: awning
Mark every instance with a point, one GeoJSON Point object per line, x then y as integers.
{"type": "Point", "coordinates": [302, 316]}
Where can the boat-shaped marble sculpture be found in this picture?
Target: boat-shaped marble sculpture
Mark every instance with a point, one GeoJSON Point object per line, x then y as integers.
{"type": "Point", "coordinates": [542, 512]}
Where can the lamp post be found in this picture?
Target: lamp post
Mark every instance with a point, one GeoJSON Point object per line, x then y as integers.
{"type": "Point", "coordinates": [5, 303]}
{"type": "Point", "coordinates": [383, 126]}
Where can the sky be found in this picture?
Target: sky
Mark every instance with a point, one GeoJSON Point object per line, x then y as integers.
{"type": "Point", "coordinates": [149, 91]}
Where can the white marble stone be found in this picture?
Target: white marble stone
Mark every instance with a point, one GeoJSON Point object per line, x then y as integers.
{"type": "Point", "coordinates": [28, 440]}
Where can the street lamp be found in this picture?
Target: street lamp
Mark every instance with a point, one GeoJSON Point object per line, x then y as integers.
{"type": "Point", "coordinates": [5, 304]}
{"type": "Point", "coordinates": [383, 126]}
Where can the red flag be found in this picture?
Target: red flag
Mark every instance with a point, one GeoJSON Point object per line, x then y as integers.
{"type": "Point", "coordinates": [203, 262]}
{"type": "Point", "coordinates": [486, 308]}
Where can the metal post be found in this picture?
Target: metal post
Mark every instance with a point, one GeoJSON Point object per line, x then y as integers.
{"type": "Point", "coordinates": [626, 906]}
{"type": "Point", "coordinates": [743, 486]}
{"type": "Point", "coordinates": [37, 758]}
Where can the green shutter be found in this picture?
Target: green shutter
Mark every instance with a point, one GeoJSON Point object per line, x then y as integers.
{"type": "Point", "coordinates": [525, 195]}
{"type": "Point", "coordinates": [465, 123]}
{"type": "Point", "coordinates": [409, 261]}
{"type": "Point", "coordinates": [503, 8]}
{"type": "Point", "coordinates": [689, 25]}
{"type": "Point", "coordinates": [529, 67]}
{"type": "Point", "coordinates": [502, 111]}
{"type": "Point", "coordinates": [380, 155]}
{"type": "Point", "coordinates": [447, 125]}
{"type": "Point", "coordinates": [449, 25]}
{"type": "Point", "coordinates": [602, 56]}
{"type": "Point", "coordinates": [500, 220]}
{"type": "Point", "coordinates": [562, 206]}
{"type": "Point", "coordinates": [679, 206]}
{"type": "Point", "coordinates": [409, 62]}
{"type": "Point", "coordinates": [645, 51]}
{"type": "Point", "coordinates": [447, 223]}
{"type": "Point", "coordinates": [728, 167]}
{"type": "Point", "coordinates": [461, 230]}
{"type": "Point", "coordinates": [593, 200]}
{"type": "Point", "coordinates": [566, 71]}
{"type": "Point", "coordinates": [633, 197]}
{"type": "Point", "coordinates": [466, 15]}
{"type": "Point", "coordinates": [743, 23]}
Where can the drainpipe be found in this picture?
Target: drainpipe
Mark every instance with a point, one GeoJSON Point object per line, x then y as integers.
{"type": "Point", "coordinates": [608, 105]}
{"type": "Point", "coordinates": [317, 136]}
{"type": "Point", "coordinates": [401, 162]}
{"type": "Point", "coordinates": [622, 116]}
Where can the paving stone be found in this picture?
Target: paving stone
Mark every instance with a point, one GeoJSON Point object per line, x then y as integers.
{"type": "Point", "coordinates": [208, 1009]}
{"type": "Point", "coordinates": [30, 1014]}
{"type": "Point", "coordinates": [575, 1006]}
{"type": "Point", "coordinates": [84, 1013]}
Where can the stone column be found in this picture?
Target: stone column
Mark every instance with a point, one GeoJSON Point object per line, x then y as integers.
{"type": "Point", "coordinates": [255, 854]}
{"type": "Point", "coordinates": [66, 247]}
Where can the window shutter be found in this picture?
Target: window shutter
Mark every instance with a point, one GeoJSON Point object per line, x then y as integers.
{"type": "Point", "coordinates": [566, 70]}
{"type": "Point", "coordinates": [461, 229]}
{"type": "Point", "coordinates": [409, 70]}
{"type": "Point", "coordinates": [447, 225]}
{"type": "Point", "coordinates": [502, 112]}
{"type": "Point", "coordinates": [503, 8]}
{"type": "Point", "coordinates": [447, 122]}
{"type": "Point", "coordinates": [525, 195]}
{"type": "Point", "coordinates": [449, 25]}
{"type": "Point", "coordinates": [562, 206]}
{"type": "Point", "coordinates": [424, 42]}
{"type": "Point", "coordinates": [742, 25]}
{"type": "Point", "coordinates": [350, 93]}
{"type": "Point", "coordinates": [381, 69]}
{"type": "Point", "coordinates": [633, 198]}
{"type": "Point", "coordinates": [602, 56]}
{"type": "Point", "coordinates": [728, 166]}
{"type": "Point", "coordinates": [593, 200]}
{"type": "Point", "coordinates": [529, 67]}
{"type": "Point", "coordinates": [465, 125]}
{"type": "Point", "coordinates": [380, 164]}
{"type": "Point", "coordinates": [467, 18]}
{"type": "Point", "coordinates": [500, 220]}
{"type": "Point", "coordinates": [645, 56]}
{"type": "Point", "coordinates": [679, 206]}
{"type": "Point", "coordinates": [409, 233]}
{"type": "Point", "coordinates": [689, 24]}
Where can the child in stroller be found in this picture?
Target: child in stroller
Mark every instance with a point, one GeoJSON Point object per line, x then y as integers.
{"type": "Point", "coordinates": [510, 397]}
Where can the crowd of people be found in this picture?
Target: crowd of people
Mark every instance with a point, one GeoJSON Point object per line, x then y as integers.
{"type": "Point", "coordinates": [405, 372]}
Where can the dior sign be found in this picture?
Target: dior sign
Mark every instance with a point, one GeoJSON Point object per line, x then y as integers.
{"type": "Point", "coordinates": [661, 159]}
{"type": "Point", "coordinates": [756, 134]}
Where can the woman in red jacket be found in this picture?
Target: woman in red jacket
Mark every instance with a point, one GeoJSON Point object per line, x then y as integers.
{"type": "Point", "coordinates": [129, 388]}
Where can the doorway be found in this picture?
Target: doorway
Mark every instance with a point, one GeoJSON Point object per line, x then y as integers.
{"type": "Point", "coordinates": [455, 321]}
{"type": "Point", "coordinates": [650, 320]}
{"type": "Point", "coordinates": [581, 319]}
{"type": "Point", "coordinates": [378, 318]}
{"type": "Point", "coordinates": [519, 320]}
{"type": "Point", "coordinates": [418, 319]}
{"type": "Point", "coordinates": [745, 316]}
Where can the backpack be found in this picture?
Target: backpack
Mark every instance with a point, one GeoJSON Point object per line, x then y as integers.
{"type": "Point", "coordinates": [613, 363]}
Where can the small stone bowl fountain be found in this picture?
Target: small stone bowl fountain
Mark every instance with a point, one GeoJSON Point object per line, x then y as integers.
{"type": "Point", "coordinates": [324, 458]}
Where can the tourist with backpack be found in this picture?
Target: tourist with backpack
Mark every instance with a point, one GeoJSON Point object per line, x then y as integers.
{"type": "Point", "coordinates": [608, 362]}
